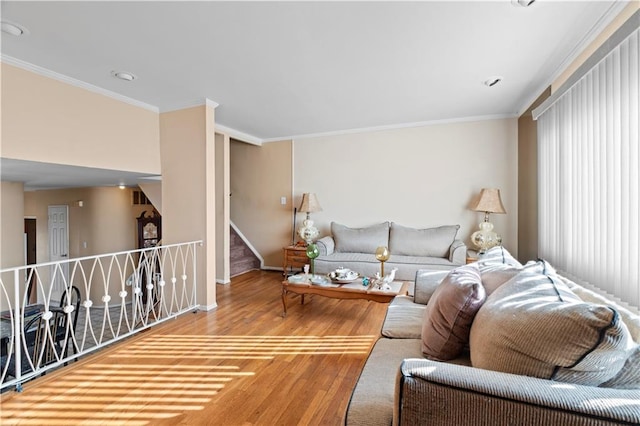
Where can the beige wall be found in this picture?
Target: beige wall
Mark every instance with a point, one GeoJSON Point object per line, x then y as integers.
{"type": "Point", "coordinates": [223, 209]}
{"type": "Point", "coordinates": [528, 183]}
{"type": "Point", "coordinates": [11, 237]}
{"type": "Point", "coordinates": [106, 222]}
{"type": "Point", "coordinates": [50, 121]}
{"type": "Point", "coordinates": [187, 143]}
{"type": "Point", "coordinates": [11, 225]}
{"type": "Point", "coordinates": [260, 176]}
{"type": "Point", "coordinates": [420, 177]}
{"type": "Point", "coordinates": [153, 191]}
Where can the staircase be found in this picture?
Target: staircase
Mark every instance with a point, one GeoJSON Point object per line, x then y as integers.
{"type": "Point", "coordinates": [242, 258]}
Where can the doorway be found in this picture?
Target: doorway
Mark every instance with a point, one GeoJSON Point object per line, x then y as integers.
{"type": "Point", "coordinates": [59, 248]}
{"type": "Point", "coordinates": [30, 254]}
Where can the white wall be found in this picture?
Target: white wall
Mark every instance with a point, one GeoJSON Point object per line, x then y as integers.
{"type": "Point", "coordinates": [422, 177]}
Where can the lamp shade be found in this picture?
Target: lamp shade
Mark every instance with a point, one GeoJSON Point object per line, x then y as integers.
{"type": "Point", "coordinates": [489, 201]}
{"type": "Point", "coordinates": [309, 203]}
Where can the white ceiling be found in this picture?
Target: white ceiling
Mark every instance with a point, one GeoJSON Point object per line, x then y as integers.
{"type": "Point", "coordinates": [291, 69]}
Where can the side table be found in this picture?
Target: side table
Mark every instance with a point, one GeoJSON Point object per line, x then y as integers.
{"type": "Point", "coordinates": [472, 256]}
{"type": "Point", "coordinates": [294, 257]}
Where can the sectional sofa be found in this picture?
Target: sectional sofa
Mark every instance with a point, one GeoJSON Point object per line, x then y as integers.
{"type": "Point", "coordinates": [411, 249]}
{"type": "Point", "coordinates": [500, 343]}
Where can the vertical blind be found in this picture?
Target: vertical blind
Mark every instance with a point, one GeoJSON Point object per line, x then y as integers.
{"type": "Point", "coordinates": [588, 180]}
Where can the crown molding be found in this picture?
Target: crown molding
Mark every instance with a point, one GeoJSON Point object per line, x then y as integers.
{"type": "Point", "coordinates": [614, 10]}
{"type": "Point", "coordinates": [74, 82]}
{"type": "Point", "coordinates": [236, 134]}
{"type": "Point", "coordinates": [177, 106]}
{"type": "Point", "coordinates": [395, 127]}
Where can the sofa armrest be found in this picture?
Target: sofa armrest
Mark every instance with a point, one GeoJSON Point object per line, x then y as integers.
{"type": "Point", "coordinates": [326, 245]}
{"type": "Point", "coordinates": [458, 253]}
{"type": "Point", "coordinates": [437, 393]}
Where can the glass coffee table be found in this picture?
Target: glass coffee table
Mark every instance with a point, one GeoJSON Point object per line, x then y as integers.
{"type": "Point", "coordinates": [352, 290]}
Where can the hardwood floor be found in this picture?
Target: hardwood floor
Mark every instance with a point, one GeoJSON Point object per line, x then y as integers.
{"type": "Point", "coordinates": [241, 364]}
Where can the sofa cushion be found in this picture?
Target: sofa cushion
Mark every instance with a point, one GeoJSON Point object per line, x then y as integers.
{"type": "Point", "coordinates": [493, 275]}
{"type": "Point", "coordinates": [498, 254]}
{"type": "Point", "coordinates": [434, 242]}
{"type": "Point", "coordinates": [629, 375]}
{"type": "Point", "coordinates": [450, 312]}
{"type": "Point", "coordinates": [534, 325]}
{"type": "Point", "coordinates": [403, 319]}
{"type": "Point", "coordinates": [360, 240]}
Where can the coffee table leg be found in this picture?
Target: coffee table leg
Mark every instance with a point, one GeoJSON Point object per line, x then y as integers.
{"type": "Point", "coordinates": [302, 299]}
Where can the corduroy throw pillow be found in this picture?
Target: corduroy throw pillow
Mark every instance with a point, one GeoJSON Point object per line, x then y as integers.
{"type": "Point", "coordinates": [450, 312]}
{"type": "Point", "coordinates": [534, 325]}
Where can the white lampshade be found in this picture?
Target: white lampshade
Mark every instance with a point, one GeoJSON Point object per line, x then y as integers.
{"type": "Point", "coordinates": [310, 203]}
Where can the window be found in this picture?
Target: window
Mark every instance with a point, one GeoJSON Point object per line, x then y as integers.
{"type": "Point", "coordinates": [588, 162]}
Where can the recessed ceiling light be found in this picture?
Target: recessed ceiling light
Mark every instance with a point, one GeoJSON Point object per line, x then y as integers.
{"type": "Point", "coordinates": [523, 3]}
{"type": "Point", "coordinates": [13, 29]}
{"type": "Point", "coordinates": [492, 81]}
{"type": "Point", "coordinates": [123, 75]}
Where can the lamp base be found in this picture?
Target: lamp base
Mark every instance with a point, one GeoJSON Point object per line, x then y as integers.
{"type": "Point", "coordinates": [485, 238]}
{"type": "Point", "coordinates": [308, 232]}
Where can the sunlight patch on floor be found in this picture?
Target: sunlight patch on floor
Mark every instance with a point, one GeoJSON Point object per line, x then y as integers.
{"type": "Point", "coordinates": [139, 394]}
{"type": "Point", "coordinates": [246, 347]}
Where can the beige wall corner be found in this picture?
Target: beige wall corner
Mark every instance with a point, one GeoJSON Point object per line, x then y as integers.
{"type": "Point", "coordinates": [185, 137]}
{"type": "Point", "coordinates": [420, 177]}
{"type": "Point", "coordinates": [223, 209]}
{"type": "Point", "coordinates": [528, 183]}
{"type": "Point", "coordinates": [53, 122]}
{"type": "Point", "coordinates": [260, 177]}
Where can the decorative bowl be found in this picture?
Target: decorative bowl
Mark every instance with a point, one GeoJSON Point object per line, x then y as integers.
{"type": "Point", "coordinates": [343, 276]}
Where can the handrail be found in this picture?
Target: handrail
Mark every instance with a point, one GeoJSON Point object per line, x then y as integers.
{"type": "Point", "coordinates": [122, 293]}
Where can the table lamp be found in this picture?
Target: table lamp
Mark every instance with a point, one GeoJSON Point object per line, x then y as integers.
{"type": "Point", "coordinates": [488, 202]}
{"type": "Point", "coordinates": [309, 205]}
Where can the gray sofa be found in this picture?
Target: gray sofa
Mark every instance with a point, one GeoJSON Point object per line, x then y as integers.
{"type": "Point", "coordinates": [525, 378]}
{"type": "Point", "coordinates": [411, 249]}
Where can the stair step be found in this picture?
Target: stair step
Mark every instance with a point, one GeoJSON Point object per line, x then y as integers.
{"type": "Point", "coordinates": [241, 257]}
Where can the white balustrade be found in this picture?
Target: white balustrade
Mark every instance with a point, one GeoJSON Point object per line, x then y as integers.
{"type": "Point", "coordinates": [48, 318]}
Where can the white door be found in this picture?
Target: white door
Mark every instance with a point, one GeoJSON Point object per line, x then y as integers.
{"type": "Point", "coordinates": [58, 249]}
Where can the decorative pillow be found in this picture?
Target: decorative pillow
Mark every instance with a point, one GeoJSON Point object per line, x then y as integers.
{"type": "Point", "coordinates": [629, 376]}
{"type": "Point", "coordinates": [534, 325]}
{"type": "Point", "coordinates": [434, 242]}
{"type": "Point", "coordinates": [360, 240]}
{"type": "Point", "coordinates": [450, 312]}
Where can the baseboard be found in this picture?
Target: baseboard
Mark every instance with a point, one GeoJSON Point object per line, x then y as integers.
{"type": "Point", "coordinates": [223, 281]}
{"type": "Point", "coordinates": [207, 308]}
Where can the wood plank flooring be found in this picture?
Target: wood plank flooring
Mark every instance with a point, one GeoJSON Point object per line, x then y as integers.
{"type": "Point", "coordinates": [241, 364]}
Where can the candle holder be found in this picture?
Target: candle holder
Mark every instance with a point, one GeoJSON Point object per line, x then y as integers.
{"type": "Point", "coordinates": [382, 254]}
